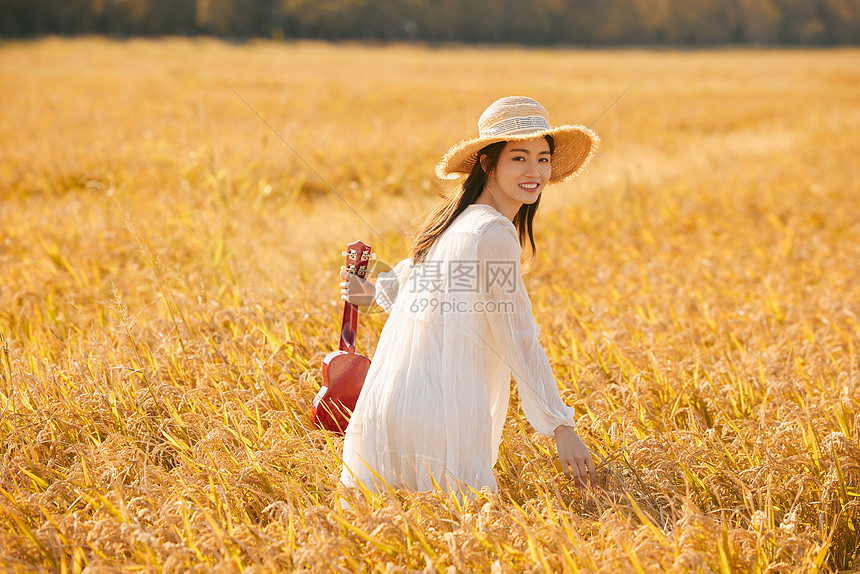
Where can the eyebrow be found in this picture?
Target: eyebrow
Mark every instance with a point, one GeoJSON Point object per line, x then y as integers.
{"type": "Point", "coordinates": [527, 151]}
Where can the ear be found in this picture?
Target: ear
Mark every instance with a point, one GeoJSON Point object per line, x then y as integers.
{"type": "Point", "coordinates": [483, 160]}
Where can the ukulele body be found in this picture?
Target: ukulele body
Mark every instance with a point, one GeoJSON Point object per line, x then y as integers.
{"type": "Point", "coordinates": [343, 377]}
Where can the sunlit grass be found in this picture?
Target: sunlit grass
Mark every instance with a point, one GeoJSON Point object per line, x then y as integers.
{"type": "Point", "coordinates": [169, 289]}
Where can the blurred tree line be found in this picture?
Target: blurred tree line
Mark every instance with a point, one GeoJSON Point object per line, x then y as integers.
{"type": "Point", "coordinates": [582, 22]}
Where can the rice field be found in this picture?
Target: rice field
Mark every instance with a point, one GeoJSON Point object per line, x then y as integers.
{"type": "Point", "coordinates": [168, 290]}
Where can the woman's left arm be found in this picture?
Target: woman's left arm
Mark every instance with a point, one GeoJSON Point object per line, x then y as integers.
{"type": "Point", "coordinates": [360, 291]}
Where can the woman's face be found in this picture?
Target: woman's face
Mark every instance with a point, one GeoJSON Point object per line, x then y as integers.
{"type": "Point", "coordinates": [522, 172]}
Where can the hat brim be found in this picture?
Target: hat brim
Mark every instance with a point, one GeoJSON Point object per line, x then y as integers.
{"type": "Point", "coordinates": [575, 145]}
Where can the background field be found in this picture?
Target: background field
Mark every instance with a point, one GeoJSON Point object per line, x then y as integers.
{"type": "Point", "coordinates": [169, 289]}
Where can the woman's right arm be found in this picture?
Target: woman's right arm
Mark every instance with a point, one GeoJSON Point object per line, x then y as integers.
{"type": "Point", "coordinates": [516, 333]}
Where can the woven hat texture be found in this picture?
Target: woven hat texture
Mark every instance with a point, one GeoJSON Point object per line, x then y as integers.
{"type": "Point", "coordinates": [518, 118]}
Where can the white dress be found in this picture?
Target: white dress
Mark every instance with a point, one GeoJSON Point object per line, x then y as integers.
{"type": "Point", "coordinates": [435, 398]}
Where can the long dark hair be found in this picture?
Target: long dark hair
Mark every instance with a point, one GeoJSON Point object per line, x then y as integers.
{"type": "Point", "coordinates": [452, 204]}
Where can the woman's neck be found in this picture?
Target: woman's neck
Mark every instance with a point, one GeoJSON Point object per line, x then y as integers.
{"type": "Point", "coordinates": [505, 206]}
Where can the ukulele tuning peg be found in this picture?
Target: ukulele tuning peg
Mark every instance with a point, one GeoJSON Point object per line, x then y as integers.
{"type": "Point", "coordinates": [373, 256]}
{"type": "Point", "coordinates": [344, 253]}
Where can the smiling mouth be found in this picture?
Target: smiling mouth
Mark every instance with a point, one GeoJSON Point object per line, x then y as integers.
{"type": "Point", "coordinates": [530, 186]}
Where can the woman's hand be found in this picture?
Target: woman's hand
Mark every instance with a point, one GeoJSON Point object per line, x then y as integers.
{"type": "Point", "coordinates": [575, 458]}
{"type": "Point", "coordinates": [355, 289]}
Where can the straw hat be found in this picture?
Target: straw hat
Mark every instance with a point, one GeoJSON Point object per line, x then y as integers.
{"type": "Point", "coordinates": [521, 118]}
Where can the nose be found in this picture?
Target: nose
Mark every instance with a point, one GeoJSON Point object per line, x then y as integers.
{"type": "Point", "coordinates": [533, 169]}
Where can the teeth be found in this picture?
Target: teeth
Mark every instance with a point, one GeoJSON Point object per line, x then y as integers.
{"type": "Point", "coordinates": [529, 185]}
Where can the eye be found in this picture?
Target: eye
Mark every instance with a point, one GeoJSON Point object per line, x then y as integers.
{"type": "Point", "coordinates": [544, 160]}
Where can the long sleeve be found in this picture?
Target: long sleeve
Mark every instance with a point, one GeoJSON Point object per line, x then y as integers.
{"type": "Point", "coordinates": [390, 283]}
{"type": "Point", "coordinates": [514, 332]}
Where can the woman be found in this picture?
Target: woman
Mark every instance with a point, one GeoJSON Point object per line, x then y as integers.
{"type": "Point", "coordinates": [436, 395]}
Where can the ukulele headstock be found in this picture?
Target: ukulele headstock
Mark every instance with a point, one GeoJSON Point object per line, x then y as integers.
{"type": "Point", "coordinates": [358, 255]}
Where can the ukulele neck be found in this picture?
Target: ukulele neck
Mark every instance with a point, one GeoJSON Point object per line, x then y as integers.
{"type": "Point", "coordinates": [357, 257]}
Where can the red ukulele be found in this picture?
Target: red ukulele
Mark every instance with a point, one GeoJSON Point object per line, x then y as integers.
{"type": "Point", "coordinates": [343, 370]}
